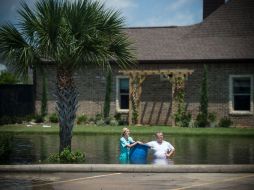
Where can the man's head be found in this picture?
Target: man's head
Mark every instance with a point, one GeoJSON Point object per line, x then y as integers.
{"type": "Point", "coordinates": [159, 137]}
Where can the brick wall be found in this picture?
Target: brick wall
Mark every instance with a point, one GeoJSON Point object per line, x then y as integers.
{"type": "Point", "coordinates": [156, 94]}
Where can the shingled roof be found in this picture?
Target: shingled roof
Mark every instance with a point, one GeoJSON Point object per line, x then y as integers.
{"type": "Point", "coordinates": [228, 33]}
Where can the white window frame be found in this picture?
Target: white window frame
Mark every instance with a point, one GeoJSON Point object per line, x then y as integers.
{"type": "Point", "coordinates": [118, 109]}
{"type": "Point", "coordinates": [231, 98]}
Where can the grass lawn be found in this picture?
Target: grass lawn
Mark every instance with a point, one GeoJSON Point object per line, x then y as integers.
{"type": "Point", "coordinates": [38, 129]}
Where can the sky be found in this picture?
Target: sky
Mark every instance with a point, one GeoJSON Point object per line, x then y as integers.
{"type": "Point", "coordinates": [137, 13]}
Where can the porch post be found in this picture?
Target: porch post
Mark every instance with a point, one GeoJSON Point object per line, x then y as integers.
{"type": "Point", "coordinates": [130, 97]}
{"type": "Point", "coordinates": [139, 93]}
{"type": "Point", "coordinates": [173, 101]}
{"type": "Point", "coordinates": [178, 85]}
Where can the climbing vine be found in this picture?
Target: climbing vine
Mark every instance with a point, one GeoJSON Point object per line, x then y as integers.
{"type": "Point", "coordinates": [182, 117]}
{"type": "Point", "coordinates": [134, 102]}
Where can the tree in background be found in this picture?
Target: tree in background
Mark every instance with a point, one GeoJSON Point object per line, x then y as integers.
{"type": "Point", "coordinates": [202, 118]}
{"type": "Point", "coordinates": [8, 78]}
{"type": "Point", "coordinates": [44, 98]}
{"type": "Point", "coordinates": [106, 109]}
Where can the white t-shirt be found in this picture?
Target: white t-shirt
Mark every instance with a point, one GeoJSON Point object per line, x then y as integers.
{"type": "Point", "coordinates": [159, 151]}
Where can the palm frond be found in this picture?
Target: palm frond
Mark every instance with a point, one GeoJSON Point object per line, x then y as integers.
{"type": "Point", "coordinates": [49, 15]}
{"type": "Point", "coordinates": [122, 51]}
{"type": "Point", "coordinates": [18, 53]}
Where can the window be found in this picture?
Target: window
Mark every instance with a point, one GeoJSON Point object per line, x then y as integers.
{"type": "Point", "coordinates": [122, 94]}
{"type": "Point", "coordinates": [241, 94]}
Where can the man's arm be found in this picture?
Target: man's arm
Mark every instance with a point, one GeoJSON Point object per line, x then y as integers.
{"type": "Point", "coordinates": [170, 153]}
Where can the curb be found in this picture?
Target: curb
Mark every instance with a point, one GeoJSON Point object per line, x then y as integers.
{"type": "Point", "coordinates": [128, 168]}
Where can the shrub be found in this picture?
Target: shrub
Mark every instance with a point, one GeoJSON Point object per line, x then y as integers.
{"type": "Point", "coordinates": [98, 117]}
{"type": "Point", "coordinates": [8, 78]}
{"type": "Point", "coordinates": [106, 109]}
{"type": "Point", "coordinates": [28, 118]}
{"type": "Point", "coordinates": [119, 119]}
{"type": "Point", "coordinates": [110, 120]}
{"type": "Point", "coordinates": [44, 98]}
{"type": "Point", "coordinates": [82, 119]}
{"type": "Point", "coordinates": [54, 158]}
{"type": "Point", "coordinates": [100, 122]}
{"type": "Point", "coordinates": [53, 118]}
{"type": "Point", "coordinates": [225, 122]}
{"type": "Point", "coordinates": [38, 119]}
{"type": "Point", "coordinates": [66, 156]}
{"type": "Point", "coordinates": [183, 120]}
{"type": "Point", "coordinates": [118, 116]}
{"type": "Point", "coordinates": [201, 120]}
{"type": "Point", "coordinates": [113, 122]}
{"type": "Point", "coordinates": [5, 120]}
{"type": "Point", "coordinates": [212, 117]}
{"type": "Point", "coordinates": [17, 119]}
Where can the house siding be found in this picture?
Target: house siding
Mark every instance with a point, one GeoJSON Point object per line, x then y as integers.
{"type": "Point", "coordinates": [156, 94]}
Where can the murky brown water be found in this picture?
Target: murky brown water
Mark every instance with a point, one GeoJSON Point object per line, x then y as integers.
{"type": "Point", "coordinates": [103, 149]}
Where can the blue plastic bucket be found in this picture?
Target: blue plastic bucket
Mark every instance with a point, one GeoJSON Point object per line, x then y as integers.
{"type": "Point", "coordinates": [138, 154]}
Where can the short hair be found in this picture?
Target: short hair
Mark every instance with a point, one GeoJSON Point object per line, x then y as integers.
{"type": "Point", "coordinates": [158, 132]}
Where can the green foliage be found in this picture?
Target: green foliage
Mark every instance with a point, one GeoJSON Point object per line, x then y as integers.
{"type": "Point", "coordinates": [44, 98]}
{"type": "Point", "coordinates": [202, 119]}
{"type": "Point", "coordinates": [212, 117]}
{"type": "Point", "coordinates": [5, 120]}
{"type": "Point", "coordinates": [182, 117]}
{"type": "Point", "coordinates": [117, 116]}
{"type": "Point", "coordinates": [106, 109]}
{"type": "Point", "coordinates": [5, 147]}
{"type": "Point", "coordinates": [225, 122]}
{"type": "Point", "coordinates": [82, 119]}
{"type": "Point", "coordinates": [134, 111]}
{"type": "Point", "coordinates": [98, 117]}
{"type": "Point", "coordinates": [53, 158]}
{"type": "Point", "coordinates": [53, 118]}
{"type": "Point", "coordinates": [66, 156]}
{"type": "Point", "coordinates": [38, 118]}
{"type": "Point", "coordinates": [100, 122]}
{"type": "Point", "coordinates": [113, 122]}
{"type": "Point", "coordinates": [91, 120]}
{"type": "Point", "coordinates": [8, 78]}
{"type": "Point", "coordinates": [120, 120]}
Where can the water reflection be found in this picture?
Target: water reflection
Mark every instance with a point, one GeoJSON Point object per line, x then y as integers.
{"type": "Point", "coordinates": [104, 148]}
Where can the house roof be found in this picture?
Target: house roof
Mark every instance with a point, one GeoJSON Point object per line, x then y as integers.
{"type": "Point", "coordinates": [228, 33]}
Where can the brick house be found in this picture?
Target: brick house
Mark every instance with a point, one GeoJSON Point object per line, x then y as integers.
{"type": "Point", "coordinates": [224, 41]}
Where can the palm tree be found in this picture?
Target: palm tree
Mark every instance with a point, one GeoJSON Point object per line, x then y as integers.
{"type": "Point", "coordinates": [70, 35]}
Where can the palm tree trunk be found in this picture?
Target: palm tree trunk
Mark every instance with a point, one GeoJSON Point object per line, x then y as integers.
{"type": "Point", "coordinates": [66, 106]}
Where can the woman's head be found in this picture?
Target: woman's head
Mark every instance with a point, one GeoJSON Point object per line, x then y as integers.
{"type": "Point", "coordinates": [125, 131]}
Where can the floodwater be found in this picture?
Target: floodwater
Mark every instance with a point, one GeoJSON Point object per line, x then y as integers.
{"type": "Point", "coordinates": [104, 149]}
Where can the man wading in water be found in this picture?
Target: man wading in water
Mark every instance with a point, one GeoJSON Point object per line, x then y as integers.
{"type": "Point", "coordinates": [162, 150]}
